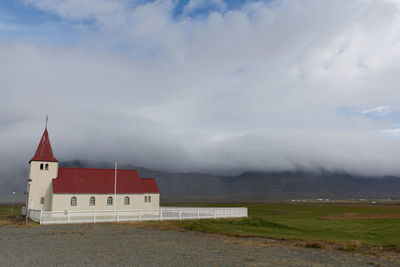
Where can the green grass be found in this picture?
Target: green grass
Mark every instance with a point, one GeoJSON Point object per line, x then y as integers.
{"type": "Point", "coordinates": [303, 222]}
{"type": "Point", "coordinates": [6, 210]}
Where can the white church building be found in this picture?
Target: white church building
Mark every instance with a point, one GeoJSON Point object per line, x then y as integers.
{"type": "Point", "coordinates": [55, 188]}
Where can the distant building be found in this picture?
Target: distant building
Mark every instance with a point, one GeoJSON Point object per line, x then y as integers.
{"type": "Point", "coordinates": [55, 188]}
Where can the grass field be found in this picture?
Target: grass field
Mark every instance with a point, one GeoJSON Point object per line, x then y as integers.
{"type": "Point", "coordinates": [6, 210]}
{"type": "Point", "coordinates": [352, 224]}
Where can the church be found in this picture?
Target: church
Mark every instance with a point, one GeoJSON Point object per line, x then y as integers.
{"type": "Point", "coordinates": [55, 188]}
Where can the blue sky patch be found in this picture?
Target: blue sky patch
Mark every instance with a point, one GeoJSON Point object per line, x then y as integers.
{"type": "Point", "coordinates": [380, 113]}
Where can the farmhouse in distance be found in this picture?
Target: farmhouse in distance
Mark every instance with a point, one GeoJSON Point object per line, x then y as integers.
{"type": "Point", "coordinates": [55, 188]}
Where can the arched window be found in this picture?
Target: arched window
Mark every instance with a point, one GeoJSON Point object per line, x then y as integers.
{"type": "Point", "coordinates": [92, 201]}
{"type": "Point", "coordinates": [126, 201]}
{"type": "Point", "coordinates": [109, 201]}
{"type": "Point", "coordinates": [149, 199]}
{"type": "Point", "coordinates": [145, 198]}
{"type": "Point", "coordinates": [74, 201]}
{"type": "Point", "coordinates": [41, 166]}
{"type": "Point", "coordinates": [42, 200]}
{"type": "Point", "coordinates": [46, 167]}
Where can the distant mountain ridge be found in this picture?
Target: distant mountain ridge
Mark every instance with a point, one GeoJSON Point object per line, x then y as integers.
{"type": "Point", "coordinates": [263, 187]}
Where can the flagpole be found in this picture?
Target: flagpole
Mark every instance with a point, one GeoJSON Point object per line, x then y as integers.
{"type": "Point", "coordinates": [115, 186]}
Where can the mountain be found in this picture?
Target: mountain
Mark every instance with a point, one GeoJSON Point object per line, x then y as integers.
{"type": "Point", "coordinates": [262, 187]}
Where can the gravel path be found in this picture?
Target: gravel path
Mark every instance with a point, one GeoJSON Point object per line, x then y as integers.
{"type": "Point", "coordinates": [129, 245]}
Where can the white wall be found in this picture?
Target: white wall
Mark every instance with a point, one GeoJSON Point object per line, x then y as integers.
{"type": "Point", "coordinates": [61, 202]}
{"type": "Point", "coordinates": [41, 185]}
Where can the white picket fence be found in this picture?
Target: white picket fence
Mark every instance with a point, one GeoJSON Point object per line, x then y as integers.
{"type": "Point", "coordinates": [35, 215]}
{"type": "Point", "coordinates": [164, 213]}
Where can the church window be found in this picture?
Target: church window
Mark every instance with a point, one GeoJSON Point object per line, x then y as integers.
{"type": "Point", "coordinates": [41, 166]}
{"type": "Point", "coordinates": [92, 201]}
{"type": "Point", "coordinates": [149, 199]}
{"type": "Point", "coordinates": [126, 201]}
{"type": "Point", "coordinates": [109, 201]}
{"type": "Point", "coordinates": [145, 198]}
{"type": "Point", "coordinates": [42, 200]}
{"type": "Point", "coordinates": [46, 167]}
{"type": "Point", "coordinates": [73, 201]}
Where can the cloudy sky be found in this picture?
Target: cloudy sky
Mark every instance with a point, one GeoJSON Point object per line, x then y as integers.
{"type": "Point", "coordinates": [214, 86]}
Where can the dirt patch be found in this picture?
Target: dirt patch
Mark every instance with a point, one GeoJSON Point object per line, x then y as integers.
{"type": "Point", "coordinates": [163, 225]}
{"type": "Point", "coordinates": [349, 215]}
{"type": "Point", "coordinates": [8, 220]}
{"type": "Point", "coordinates": [16, 220]}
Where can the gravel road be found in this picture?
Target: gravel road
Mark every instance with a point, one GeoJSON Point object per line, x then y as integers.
{"type": "Point", "coordinates": [130, 245]}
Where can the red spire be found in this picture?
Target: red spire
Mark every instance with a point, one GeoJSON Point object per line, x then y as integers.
{"type": "Point", "coordinates": [44, 151]}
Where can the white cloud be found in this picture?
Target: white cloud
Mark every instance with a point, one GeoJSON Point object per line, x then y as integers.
{"type": "Point", "coordinates": [383, 110]}
{"type": "Point", "coordinates": [252, 88]}
{"type": "Point", "coordinates": [390, 132]}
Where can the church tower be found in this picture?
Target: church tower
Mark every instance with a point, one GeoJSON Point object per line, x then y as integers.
{"type": "Point", "coordinates": [43, 167]}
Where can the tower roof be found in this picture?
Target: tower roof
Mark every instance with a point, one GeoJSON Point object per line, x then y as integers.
{"type": "Point", "coordinates": [44, 151]}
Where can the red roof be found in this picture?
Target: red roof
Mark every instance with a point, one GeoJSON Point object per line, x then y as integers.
{"type": "Point", "coordinates": [101, 181]}
{"type": "Point", "coordinates": [44, 151]}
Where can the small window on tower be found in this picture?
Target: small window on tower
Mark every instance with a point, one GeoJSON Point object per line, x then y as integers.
{"type": "Point", "coordinates": [149, 199]}
{"type": "Point", "coordinates": [41, 166]}
{"type": "Point", "coordinates": [46, 167]}
{"type": "Point", "coordinates": [145, 198]}
{"type": "Point", "coordinates": [42, 200]}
